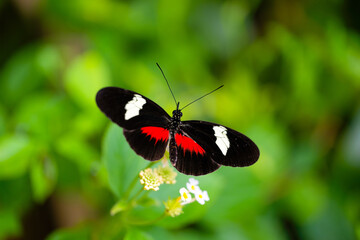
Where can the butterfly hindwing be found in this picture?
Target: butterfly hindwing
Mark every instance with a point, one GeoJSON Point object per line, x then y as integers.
{"type": "Point", "coordinates": [148, 142]}
{"type": "Point", "coordinates": [190, 157]}
{"type": "Point", "coordinates": [143, 121]}
{"type": "Point", "coordinates": [222, 145]}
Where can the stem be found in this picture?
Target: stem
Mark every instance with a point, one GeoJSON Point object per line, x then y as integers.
{"type": "Point", "coordinates": [133, 199]}
{"type": "Point", "coordinates": [145, 194]}
{"type": "Point", "coordinates": [124, 203]}
{"type": "Point", "coordinates": [136, 195]}
{"type": "Point", "coordinates": [134, 181]}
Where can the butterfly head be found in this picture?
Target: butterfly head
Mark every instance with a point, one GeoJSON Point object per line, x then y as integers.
{"type": "Point", "coordinates": [177, 114]}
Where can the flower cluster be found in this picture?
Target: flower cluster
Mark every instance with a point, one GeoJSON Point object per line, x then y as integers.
{"type": "Point", "coordinates": [153, 178]}
{"type": "Point", "coordinates": [173, 207]}
{"type": "Point", "coordinates": [150, 179]}
{"type": "Point", "coordinates": [193, 187]}
{"type": "Point", "coordinates": [167, 174]}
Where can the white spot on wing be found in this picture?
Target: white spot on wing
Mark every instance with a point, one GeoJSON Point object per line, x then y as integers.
{"type": "Point", "coordinates": [133, 107]}
{"type": "Point", "coordinates": [222, 141]}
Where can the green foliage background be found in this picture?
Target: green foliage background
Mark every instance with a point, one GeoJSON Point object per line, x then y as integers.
{"type": "Point", "coordinates": [291, 71]}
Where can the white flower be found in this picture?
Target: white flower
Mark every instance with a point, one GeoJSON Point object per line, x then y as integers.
{"type": "Point", "coordinates": [202, 197]}
{"type": "Point", "coordinates": [192, 185]}
{"type": "Point", "coordinates": [185, 196]}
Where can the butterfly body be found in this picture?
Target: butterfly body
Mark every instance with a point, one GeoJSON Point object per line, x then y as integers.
{"type": "Point", "coordinates": [195, 147]}
{"type": "Point", "coordinates": [174, 128]}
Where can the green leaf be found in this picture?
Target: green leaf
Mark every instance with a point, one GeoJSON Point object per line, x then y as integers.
{"type": "Point", "coordinates": [77, 150]}
{"type": "Point", "coordinates": [15, 154]}
{"type": "Point", "coordinates": [20, 75]}
{"type": "Point", "coordinates": [85, 76]}
{"type": "Point", "coordinates": [9, 224]}
{"type": "Point", "coordinates": [43, 177]}
{"type": "Point", "coordinates": [136, 234]}
{"type": "Point", "coordinates": [331, 224]}
{"type": "Point", "coordinates": [44, 116]}
{"type": "Point", "coordinates": [3, 120]}
{"type": "Point", "coordinates": [71, 234]}
{"type": "Point", "coordinates": [48, 60]}
{"type": "Point", "coordinates": [119, 207]}
{"type": "Point", "coordinates": [15, 194]}
{"type": "Point", "coordinates": [120, 160]}
{"type": "Point", "coordinates": [147, 201]}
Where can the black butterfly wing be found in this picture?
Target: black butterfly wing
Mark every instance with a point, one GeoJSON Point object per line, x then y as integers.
{"type": "Point", "coordinates": [130, 110]}
{"type": "Point", "coordinates": [148, 142]}
{"type": "Point", "coordinates": [143, 121]}
{"type": "Point", "coordinates": [220, 146]}
{"type": "Point", "coordinates": [189, 157]}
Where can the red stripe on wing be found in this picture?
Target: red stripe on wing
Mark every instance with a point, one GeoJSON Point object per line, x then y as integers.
{"type": "Point", "coordinates": [188, 144]}
{"type": "Point", "coordinates": [158, 133]}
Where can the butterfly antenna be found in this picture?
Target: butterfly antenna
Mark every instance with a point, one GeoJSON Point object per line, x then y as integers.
{"type": "Point", "coordinates": [167, 84]}
{"type": "Point", "coordinates": [202, 97]}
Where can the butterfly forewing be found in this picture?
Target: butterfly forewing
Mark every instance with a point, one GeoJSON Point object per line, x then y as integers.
{"type": "Point", "coordinates": [223, 145]}
{"type": "Point", "coordinates": [130, 110]}
{"type": "Point", "coordinates": [144, 122]}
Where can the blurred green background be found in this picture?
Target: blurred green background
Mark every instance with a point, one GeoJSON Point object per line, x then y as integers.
{"type": "Point", "coordinates": [291, 71]}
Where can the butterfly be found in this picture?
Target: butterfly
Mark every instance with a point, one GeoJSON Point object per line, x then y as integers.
{"type": "Point", "coordinates": [195, 147]}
